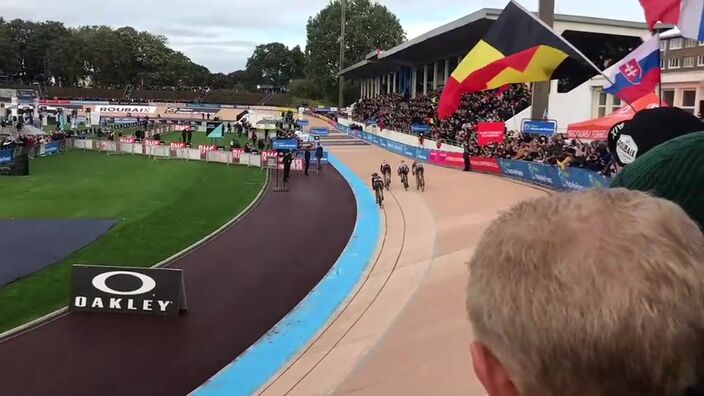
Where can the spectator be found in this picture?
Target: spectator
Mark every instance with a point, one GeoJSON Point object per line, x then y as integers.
{"type": "Point", "coordinates": [592, 293]}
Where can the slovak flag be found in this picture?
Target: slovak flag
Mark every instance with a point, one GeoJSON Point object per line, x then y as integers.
{"type": "Point", "coordinates": [688, 15]}
{"type": "Point", "coordinates": [636, 75]}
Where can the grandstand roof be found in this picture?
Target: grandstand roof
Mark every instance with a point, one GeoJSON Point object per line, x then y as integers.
{"type": "Point", "coordinates": [459, 36]}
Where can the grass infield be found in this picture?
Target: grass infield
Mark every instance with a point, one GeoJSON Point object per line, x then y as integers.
{"type": "Point", "coordinates": [161, 206]}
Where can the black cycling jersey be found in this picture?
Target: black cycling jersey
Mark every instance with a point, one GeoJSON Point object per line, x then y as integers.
{"type": "Point", "coordinates": [385, 168]}
{"type": "Point", "coordinates": [418, 167]}
{"type": "Point", "coordinates": [403, 169]}
{"type": "Point", "coordinates": [377, 183]}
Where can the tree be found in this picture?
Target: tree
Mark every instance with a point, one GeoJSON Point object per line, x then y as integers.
{"type": "Point", "coordinates": [10, 58]}
{"type": "Point", "coordinates": [368, 26]}
{"type": "Point", "coordinates": [274, 64]}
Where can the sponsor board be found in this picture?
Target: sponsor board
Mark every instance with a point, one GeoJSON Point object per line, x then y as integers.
{"type": "Point", "coordinates": [490, 132]}
{"type": "Point", "coordinates": [6, 156]}
{"type": "Point", "coordinates": [125, 109]}
{"type": "Point", "coordinates": [51, 148]}
{"type": "Point", "coordinates": [127, 290]}
{"type": "Point", "coordinates": [419, 128]}
{"type": "Point", "coordinates": [204, 147]}
{"type": "Point", "coordinates": [485, 165]}
{"type": "Point", "coordinates": [576, 179]}
{"type": "Point", "coordinates": [128, 139]}
{"type": "Point", "coordinates": [189, 110]}
{"type": "Point", "coordinates": [54, 102]}
{"type": "Point", "coordinates": [539, 127]}
{"type": "Point", "coordinates": [177, 145]}
{"type": "Point", "coordinates": [151, 142]}
{"type": "Point", "coordinates": [285, 144]}
{"type": "Point", "coordinates": [444, 158]}
{"type": "Point", "coordinates": [588, 134]}
{"type": "Point", "coordinates": [319, 131]}
{"type": "Point", "coordinates": [532, 172]}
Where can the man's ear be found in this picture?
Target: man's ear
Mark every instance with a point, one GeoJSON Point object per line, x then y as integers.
{"type": "Point", "coordinates": [491, 373]}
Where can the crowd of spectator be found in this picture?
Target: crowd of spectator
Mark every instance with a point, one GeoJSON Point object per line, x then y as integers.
{"type": "Point", "coordinates": [398, 113]}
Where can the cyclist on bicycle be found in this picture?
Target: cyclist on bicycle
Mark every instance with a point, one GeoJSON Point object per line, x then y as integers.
{"type": "Point", "coordinates": [419, 172]}
{"type": "Point", "coordinates": [378, 187]}
{"type": "Point", "coordinates": [403, 172]}
{"type": "Point", "coordinates": [385, 169]}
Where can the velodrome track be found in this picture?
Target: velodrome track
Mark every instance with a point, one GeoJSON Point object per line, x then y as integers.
{"type": "Point", "coordinates": [405, 330]}
{"type": "Point", "coordinates": [238, 285]}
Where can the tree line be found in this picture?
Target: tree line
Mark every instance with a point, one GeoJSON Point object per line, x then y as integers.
{"type": "Point", "coordinates": [54, 54]}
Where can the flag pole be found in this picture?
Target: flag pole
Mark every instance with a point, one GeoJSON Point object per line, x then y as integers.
{"type": "Point", "coordinates": [660, 78]}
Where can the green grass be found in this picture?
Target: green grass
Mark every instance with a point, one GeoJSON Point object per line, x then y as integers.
{"type": "Point", "coordinates": [199, 138]}
{"type": "Point", "coordinates": [162, 207]}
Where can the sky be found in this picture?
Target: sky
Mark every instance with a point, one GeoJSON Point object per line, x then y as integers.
{"type": "Point", "coordinates": [221, 34]}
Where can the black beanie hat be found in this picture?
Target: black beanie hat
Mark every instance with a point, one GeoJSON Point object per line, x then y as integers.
{"type": "Point", "coordinates": [674, 171]}
{"type": "Point", "coordinates": [629, 140]}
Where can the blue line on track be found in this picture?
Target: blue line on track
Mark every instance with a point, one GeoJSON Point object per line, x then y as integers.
{"type": "Point", "coordinates": [251, 370]}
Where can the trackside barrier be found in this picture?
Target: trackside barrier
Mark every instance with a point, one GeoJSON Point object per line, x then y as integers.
{"type": "Point", "coordinates": [236, 156]}
{"type": "Point", "coordinates": [569, 179]}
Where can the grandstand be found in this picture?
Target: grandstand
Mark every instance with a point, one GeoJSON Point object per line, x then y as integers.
{"type": "Point", "coordinates": [423, 64]}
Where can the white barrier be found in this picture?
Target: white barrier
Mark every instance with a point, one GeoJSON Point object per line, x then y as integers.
{"type": "Point", "coordinates": [125, 148]}
{"type": "Point", "coordinates": [157, 151]}
{"type": "Point", "coordinates": [193, 154]}
{"type": "Point", "coordinates": [81, 144]}
{"type": "Point", "coordinates": [182, 153]}
{"type": "Point", "coordinates": [105, 145]}
{"type": "Point", "coordinates": [224, 157]}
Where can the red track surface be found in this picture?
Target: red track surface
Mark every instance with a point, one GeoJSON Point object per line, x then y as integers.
{"type": "Point", "coordinates": [238, 286]}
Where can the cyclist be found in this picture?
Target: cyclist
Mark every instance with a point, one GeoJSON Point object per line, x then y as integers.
{"type": "Point", "coordinates": [403, 172]}
{"type": "Point", "coordinates": [378, 187]}
{"type": "Point", "coordinates": [419, 173]}
{"type": "Point", "coordinates": [385, 169]}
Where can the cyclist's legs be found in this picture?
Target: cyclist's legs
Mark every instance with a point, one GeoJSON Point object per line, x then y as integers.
{"type": "Point", "coordinates": [417, 179]}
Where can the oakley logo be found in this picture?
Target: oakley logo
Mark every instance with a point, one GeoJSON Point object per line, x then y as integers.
{"type": "Point", "coordinates": [147, 283]}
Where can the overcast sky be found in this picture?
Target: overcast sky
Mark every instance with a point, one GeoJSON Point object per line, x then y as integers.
{"type": "Point", "coordinates": [221, 34]}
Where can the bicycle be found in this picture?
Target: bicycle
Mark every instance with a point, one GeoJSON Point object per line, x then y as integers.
{"type": "Point", "coordinates": [404, 180]}
{"type": "Point", "coordinates": [420, 181]}
{"type": "Point", "coordinates": [379, 196]}
{"type": "Point", "coordinates": [387, 181]}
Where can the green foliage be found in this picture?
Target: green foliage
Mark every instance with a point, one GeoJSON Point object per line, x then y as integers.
{"type": "Point", "coordinates": [274, 64]}
{"type": "Point", "coordinates": [368, 26]}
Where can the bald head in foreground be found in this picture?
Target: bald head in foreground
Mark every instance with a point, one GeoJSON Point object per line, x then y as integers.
{"type": "Point", "coordinates": [596, 293]}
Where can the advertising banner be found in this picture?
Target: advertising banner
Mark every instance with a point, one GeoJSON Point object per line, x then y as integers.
{"type": "Point", "coordinates": [151, 142]}
{"type": "Point", "coordinates": [127, 290]}
{"type": "Point", "coordinates": [204, 147]}
{"type": "Point", "coordinates": [417, 129]}
{"type": "Point", "coordinates": [189, 111]}
{"type": "Point", "coordinates": [577, 179]}
{"type": "Point", "coordinates": [285, 144]}
{"type": "Point", "coordinates": [54, 102]}
{"type": "Point", "coordinates": [588, 134]}
{"type": "Point", "coordinates": [532, 172]}
{"type": "Point", "coordinates": [125, 109]}
{"type": "Point", "coordinates": [51, 148]}
{"type": "Point", "coordinates": [539, 127]}
{"type": "Point", "coordinates": [176, 145]}
{"type": "Point", "coordinates": [319, 131]}
{"type": "Point", "coordinates": [128, 139]}
{"type": "Point", "coordinates": [490, 132]}
{"type": "Point", "coordinates": [486, 165]}
{"type": "Point", "coordinates": [303, 123]}
{"type": "Point", "coordinates": [5, 156]}
{"type": "Point", "coordinates": [236, 154]}
{"type": "Point", "coordinates": [444, 158]}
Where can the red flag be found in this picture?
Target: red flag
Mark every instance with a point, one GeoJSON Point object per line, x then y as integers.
{"type": "Point", "coordinates": [665, 11]}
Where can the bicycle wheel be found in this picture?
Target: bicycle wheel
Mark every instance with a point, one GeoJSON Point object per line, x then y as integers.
{"type": "Point", "coordinates": [422, 183]}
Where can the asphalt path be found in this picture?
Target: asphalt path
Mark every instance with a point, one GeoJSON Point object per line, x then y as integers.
{"type": "Point", "coordinates": [238, 286]}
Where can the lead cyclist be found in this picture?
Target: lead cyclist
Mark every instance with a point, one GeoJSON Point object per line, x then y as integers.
{"type": "Point", "coordinates": [419, 173]}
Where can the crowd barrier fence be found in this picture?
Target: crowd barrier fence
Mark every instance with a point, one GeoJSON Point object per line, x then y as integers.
{"type": "Point", "coordinates": [568, 179]}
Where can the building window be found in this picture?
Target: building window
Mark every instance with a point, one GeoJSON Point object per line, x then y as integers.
{"type": "Point", "coordinates": [676, 43]}
{"type": "Point", "coordinates": [688, 61]}
{"type": "Point", "coordinates": [663, 45]}
{"type": "Point", "coordinates": [605, 104]}
{"type": "Point", "coordinates": [668, 96]}
{"type": "Point", "coordinates": [673, 63]}
{"type": "Point", "coordinates": [662, 62]}
{"type": "Point", "coordinates": [689, 43]}
{"type": "Point", "coordinates": [689, 98]}
{"type": "Point", "coordinates": [700, 60]}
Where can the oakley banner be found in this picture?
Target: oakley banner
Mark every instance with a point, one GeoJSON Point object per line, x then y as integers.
{"type": "Point", "coordinates": [127, 290]}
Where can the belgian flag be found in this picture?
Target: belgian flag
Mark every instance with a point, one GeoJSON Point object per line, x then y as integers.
{"type": "Point", "coordinates": [518, 48]}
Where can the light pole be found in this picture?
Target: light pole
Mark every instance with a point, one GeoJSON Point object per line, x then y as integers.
{"type": "Point", "coordinates": [340, 98]}
{"type": "Point", "coordinates": [541, 90]}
